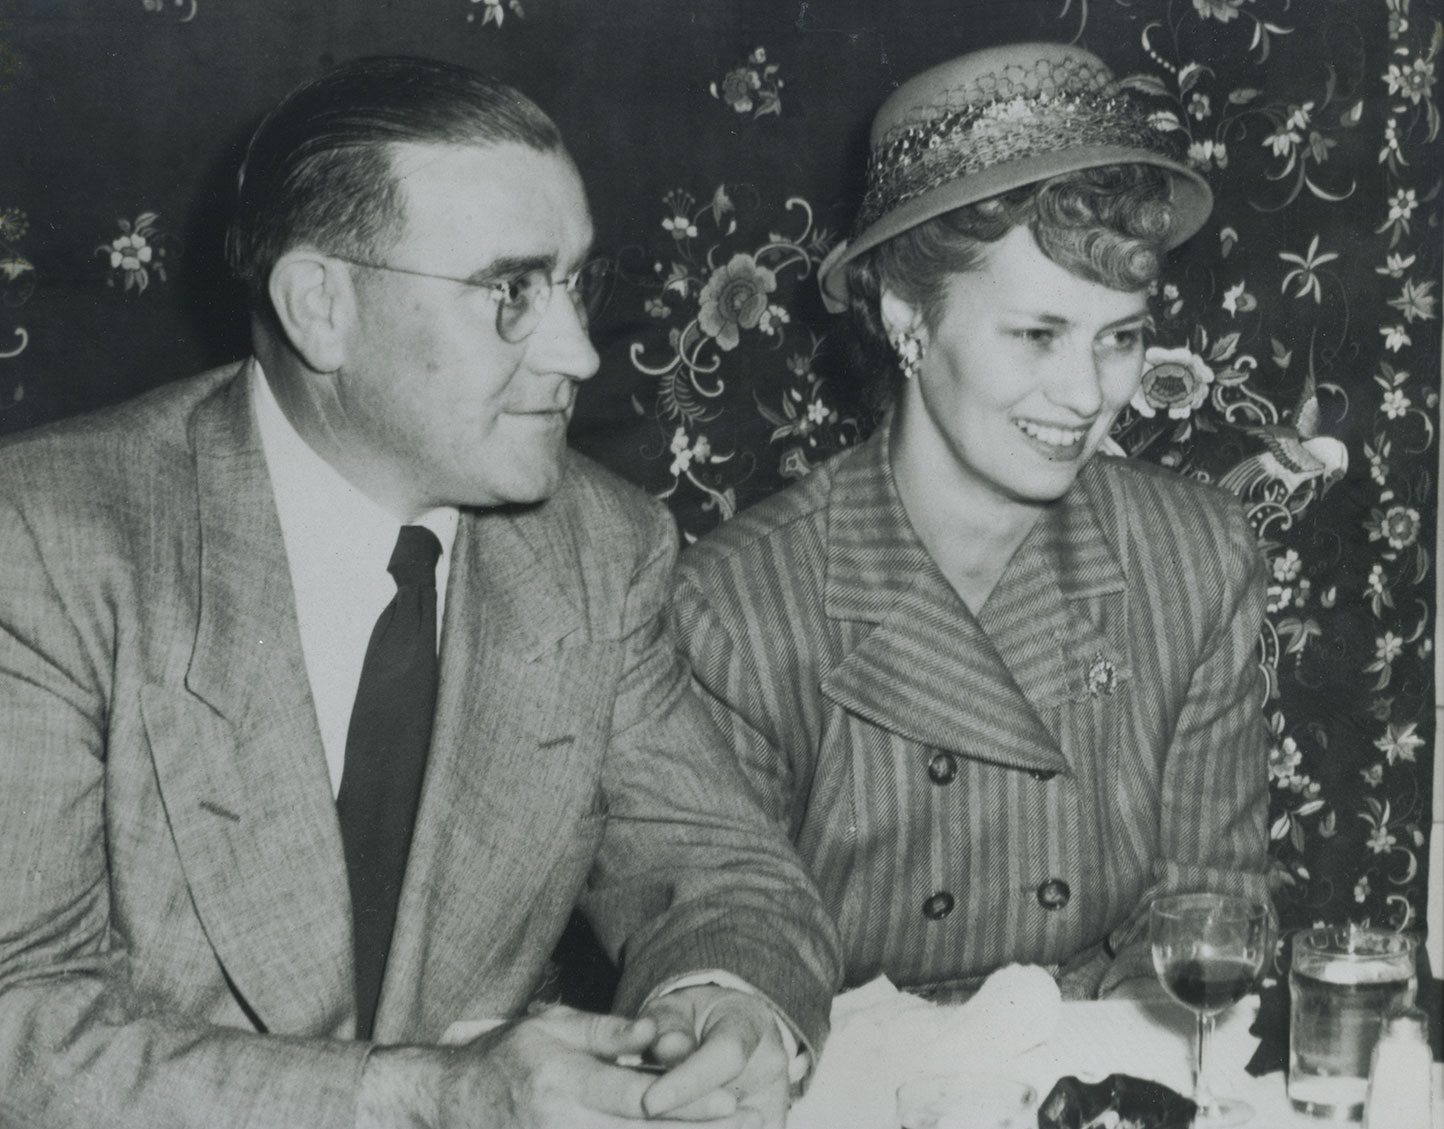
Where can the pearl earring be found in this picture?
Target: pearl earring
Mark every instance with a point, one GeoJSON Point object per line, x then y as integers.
{"type": "Point", "coordinates": [909, 353]}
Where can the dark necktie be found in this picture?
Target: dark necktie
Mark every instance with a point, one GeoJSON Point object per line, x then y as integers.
{"type": "Point", "coordinates": [386, 746]}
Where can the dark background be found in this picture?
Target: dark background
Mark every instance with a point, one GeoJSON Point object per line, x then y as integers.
{"type": "Point", "coordinates": [1315, 121]}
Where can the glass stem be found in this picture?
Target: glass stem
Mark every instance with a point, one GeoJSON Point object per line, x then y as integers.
{"type": "Point", "coordinates": [1202, 1091]}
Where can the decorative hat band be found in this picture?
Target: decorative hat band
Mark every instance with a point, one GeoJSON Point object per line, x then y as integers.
{"type": "Point", "coordinates": [961, 142]}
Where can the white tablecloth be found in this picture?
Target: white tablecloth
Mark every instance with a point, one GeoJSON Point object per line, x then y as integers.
{"type": "Point", "coordinates": [1089, 1040]}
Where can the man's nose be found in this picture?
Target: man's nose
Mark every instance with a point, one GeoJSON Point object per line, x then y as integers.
{"type": "Point", "coordinates": [561, 343]}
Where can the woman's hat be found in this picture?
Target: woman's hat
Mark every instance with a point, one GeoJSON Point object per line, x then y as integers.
{"type": "Point", "coordinates": [996, 120]}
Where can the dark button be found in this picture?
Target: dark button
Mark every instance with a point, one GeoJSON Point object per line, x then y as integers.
{"type": "Point", "coordinates": [1053, 894]}
{"type": "Point", "coordinates": [943, 768]}
{"type": "Point", "coordinates": [1042, 773]}
{"type": "Point", "coordinates": [938, 905]}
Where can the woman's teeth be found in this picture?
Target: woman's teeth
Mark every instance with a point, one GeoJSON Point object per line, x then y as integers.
{"type": "Point", "coordinates": [1055, 436]}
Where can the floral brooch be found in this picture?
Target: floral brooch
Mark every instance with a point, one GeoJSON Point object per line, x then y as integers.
{"type": "Point", "coordinates": [1102, 676]}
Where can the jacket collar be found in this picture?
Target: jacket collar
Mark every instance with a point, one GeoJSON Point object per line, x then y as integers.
{"type": "Point", "coordinates": [929, 669]}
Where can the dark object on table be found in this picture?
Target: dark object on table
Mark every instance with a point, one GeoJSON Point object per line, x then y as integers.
{"type": "Point", "coordinates": [1139, 1103]}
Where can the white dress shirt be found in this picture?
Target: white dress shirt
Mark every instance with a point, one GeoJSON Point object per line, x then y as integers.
{"type": "Point", "coordinates": [338, 542]}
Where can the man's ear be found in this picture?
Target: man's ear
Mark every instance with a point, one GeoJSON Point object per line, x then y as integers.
{"type": "Point", "coordinates": [899, 316]}
{"type": "Point", "coordinates": [313, 298]}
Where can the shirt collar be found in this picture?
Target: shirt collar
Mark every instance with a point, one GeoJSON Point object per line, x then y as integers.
{"type": "Point", "coordinates": [311, 490]}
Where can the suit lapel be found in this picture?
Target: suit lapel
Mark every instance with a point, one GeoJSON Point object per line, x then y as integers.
{"type": "Point", "coordinates": [929, 670]}
{"type": "Point", "coordinates": [239, 754]}
{"type": "Point", "coordinates": [505, 736]}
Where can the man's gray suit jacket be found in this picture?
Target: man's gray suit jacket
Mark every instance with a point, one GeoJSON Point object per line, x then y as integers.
{"type": "Point", "coordinates": [175, 930]}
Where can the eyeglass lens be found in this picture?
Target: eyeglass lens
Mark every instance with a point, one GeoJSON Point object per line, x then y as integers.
{"type": "Point", "coordinates": [524, 300]}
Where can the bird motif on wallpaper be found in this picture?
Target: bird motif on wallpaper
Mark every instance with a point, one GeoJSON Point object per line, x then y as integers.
{"type": "Point", "coordinates": [1296, 465]}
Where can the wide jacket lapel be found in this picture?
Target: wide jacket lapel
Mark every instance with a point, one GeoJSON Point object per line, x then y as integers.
{"type": "Point", "coordinates": [1058, 617]}
{"type": "Point", "coordinates": [929, 670]}
{"type": "Point", "coordinates": [506, 771]}
{"type": "Point", "coordinates": [239, 755]}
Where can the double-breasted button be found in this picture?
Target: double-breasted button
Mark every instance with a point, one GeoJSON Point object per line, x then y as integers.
{"type": "Point", "coordinates": [1053, 893]}
{"type": "Point", "coordinates": [1042, 773]}
{"type": "Point", "coordinates": [943, 768]}
{"type": "Point", "coordinates": [938, 906]}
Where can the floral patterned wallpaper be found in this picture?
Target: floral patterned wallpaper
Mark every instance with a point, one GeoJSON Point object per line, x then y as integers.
{"type": "Point", "coordinates": [1296, 356]}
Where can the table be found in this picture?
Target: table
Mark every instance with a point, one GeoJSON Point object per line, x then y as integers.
{"type": "Point", "coordinates": [1088, 1039]}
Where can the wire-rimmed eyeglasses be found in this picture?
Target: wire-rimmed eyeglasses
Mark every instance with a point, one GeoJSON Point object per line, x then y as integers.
{"type": "Point", "coordinates": [522, 298]}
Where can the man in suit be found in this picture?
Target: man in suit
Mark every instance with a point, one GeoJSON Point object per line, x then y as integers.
{"type": "Point", "coordinates": [226, 734]}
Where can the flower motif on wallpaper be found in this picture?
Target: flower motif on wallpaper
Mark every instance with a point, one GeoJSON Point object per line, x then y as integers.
{"type": "Point", "coordinates": [734, 299]}
{"type": "Point", "coordinates": [1227, 12]}
{"type": "Point", "coordinates": [1291, 131]}
{"type": "Point", "coordinates": [1298, 797]}
{"type": "Point", "coordinates": [494, 11]}
{"type": "Point", "coordinates": [751, 87]}
{"type": "Point", "coordinates": [137, 253]}
{"type": "Point", "coordinates": [17, 273]}
{"type": "Point", "coordinates": [1175, 381]}
{"type": "Point", "coordinates": [1305, 275]}
{"type": "Point", "coordinates": [1237, 300]}
{"type": "Point", "coordinates": [722, 294]}
{"type": "Point", "coordinates": [804, 416]}
{"type": "Point", "coordinates": [1221, 10]}
{"type": "Point", "coordinates": [1396, 404]}
{"type": "Point", "coordinates": [1415, 300]}
{"type": "Point", "coordinates": [186, 8]}
{"type": "Point", "coordinates": [17, 284]}
{"type": "Point", "coordinates": [1412, 80]}
{"type": "Point", "coordinates": [1389, 834]}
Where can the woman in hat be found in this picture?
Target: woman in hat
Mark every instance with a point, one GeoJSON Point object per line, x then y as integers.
{"type": "Point", "coordinates": [1002, 691]}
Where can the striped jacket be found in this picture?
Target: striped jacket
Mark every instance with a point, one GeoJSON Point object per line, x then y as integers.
{"type": "Point", "coordinates": [1016, 786]}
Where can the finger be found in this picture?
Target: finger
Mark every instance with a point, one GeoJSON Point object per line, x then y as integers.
{"type": "Point", "coordinates": [603, 1036]}
{"type": "Point", "coordinates": [718, 1061]}
{"type": "Point", "coordinates": [605, 1088]}
{"type": "Point", "coordinates": [710, 1106]}
{"type": "Point", "coordinates": [671, 1047]}
{"type": "Point", "coordinates": [676, 1029]}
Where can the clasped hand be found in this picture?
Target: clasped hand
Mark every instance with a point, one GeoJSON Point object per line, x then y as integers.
{"type": "Point", "coordinates": [726, 1066]}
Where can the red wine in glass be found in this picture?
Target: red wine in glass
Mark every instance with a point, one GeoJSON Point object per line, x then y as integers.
{"type": "Point", "coordinates": [1209, 983]}
{"type": "Point", "coordinates": [1207, 950]}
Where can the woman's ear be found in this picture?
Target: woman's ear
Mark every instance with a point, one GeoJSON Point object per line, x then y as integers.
{"type": "Point", "coordinates": [899, 317]}
{"type": "Point", "coordinates": [313, 298]}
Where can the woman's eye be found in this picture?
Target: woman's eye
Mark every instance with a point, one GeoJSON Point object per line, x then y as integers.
{"type": "Point", "coordinates": [1035, 335]}
{"type": "Point", "coordinates": [1125, 340]}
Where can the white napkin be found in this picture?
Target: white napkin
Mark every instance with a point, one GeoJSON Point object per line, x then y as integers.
{"type": "Point", "coordinates": [882, 1037]}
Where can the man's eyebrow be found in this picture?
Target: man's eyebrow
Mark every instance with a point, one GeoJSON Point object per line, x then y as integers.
{"type": "Point", "coordinates": [509, 266]}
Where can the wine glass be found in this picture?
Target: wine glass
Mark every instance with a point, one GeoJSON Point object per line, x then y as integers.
{"type": "Point", "coordinates": [1208, 949]}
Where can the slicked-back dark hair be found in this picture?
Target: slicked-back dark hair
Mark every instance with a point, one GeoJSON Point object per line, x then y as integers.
{"type": "Point", "coordinates": [318, 169]}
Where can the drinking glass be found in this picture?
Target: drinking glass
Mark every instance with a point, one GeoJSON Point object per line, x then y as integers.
{"type": "Point", "coordinates": [1343, 981]}
{"type": "Point", "coordinates": [1208, 950]}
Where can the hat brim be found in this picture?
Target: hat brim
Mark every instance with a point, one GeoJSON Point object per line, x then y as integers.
{"type": "Point", "coordinates": [1191, 198]}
